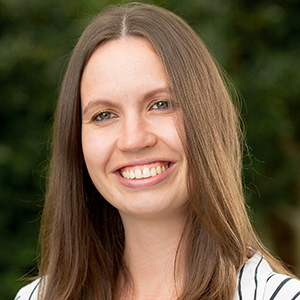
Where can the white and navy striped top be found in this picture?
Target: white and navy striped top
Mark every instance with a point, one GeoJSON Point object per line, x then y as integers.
{"type": "Point", "coordinates": [255, 281]}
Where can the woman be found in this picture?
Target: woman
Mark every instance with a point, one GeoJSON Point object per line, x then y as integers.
{"type": "Point", "coordinates": [145, 196]}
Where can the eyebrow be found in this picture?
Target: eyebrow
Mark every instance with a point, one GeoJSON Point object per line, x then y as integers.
{"type": "Point", "coordinates": [103, 102]}
{"type": "Point", "coordinates": [95, 103]}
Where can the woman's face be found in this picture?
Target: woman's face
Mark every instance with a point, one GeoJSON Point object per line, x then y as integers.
{"type": "Point", "coordinates": [130, 141]}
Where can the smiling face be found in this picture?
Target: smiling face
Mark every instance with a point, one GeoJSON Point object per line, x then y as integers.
{"type": "Point", "coordinates": [131, 145]}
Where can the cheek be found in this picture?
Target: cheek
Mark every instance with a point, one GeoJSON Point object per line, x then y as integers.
{"type": "Point", "coordinates": [175, 134]}
{"type": "Point", "coordinates": [95, 150]}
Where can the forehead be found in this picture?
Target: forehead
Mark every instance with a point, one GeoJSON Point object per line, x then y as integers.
{"type": "Point", "coordinates": [122, 53]}
{"type": "Point", "coordinates": [123, 65]}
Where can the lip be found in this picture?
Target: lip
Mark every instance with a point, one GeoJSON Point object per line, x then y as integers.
{"type": "Point", "coordinates": [145, 182]}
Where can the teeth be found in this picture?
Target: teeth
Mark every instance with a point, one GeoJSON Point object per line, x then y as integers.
{"type": "Point", "coordinates": [132, 175]}
{"type": "Point", "coordinates": [145, 173]}
{"type": "Point", "coordinates": [158, 170]}
{"type": "Point", "coordinates": [138, 174]}
{"type": "Point", "coordinates": [153, 172]}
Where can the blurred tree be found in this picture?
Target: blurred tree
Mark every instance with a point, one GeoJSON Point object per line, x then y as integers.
{"type": "Point", "coordinates": [265, 64]}
{"type": "Point", "coordinates": [35, 40]}
{"type": "Point", "coordinates": [258, 44]}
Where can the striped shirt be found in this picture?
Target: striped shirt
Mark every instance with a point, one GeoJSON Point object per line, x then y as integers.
{"type": "Point", "coordinates": [255, 281]}
{"type": "Point", "coordinates": [29, 292]}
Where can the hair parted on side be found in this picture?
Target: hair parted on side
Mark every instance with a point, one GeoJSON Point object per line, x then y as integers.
{"type": "Point", "coordinates": [82, 236]}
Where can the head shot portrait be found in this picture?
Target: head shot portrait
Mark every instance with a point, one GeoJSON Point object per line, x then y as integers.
{"type": "Point", "coordinates": [145, 197]}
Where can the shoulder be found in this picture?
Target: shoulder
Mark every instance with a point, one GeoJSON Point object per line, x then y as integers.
{"type": "Point", "coordinates": [257, 281]}
{"type": "Point", "coordinates": [282, 287]}
{"type": "Point", "coordinates": [29, 292]}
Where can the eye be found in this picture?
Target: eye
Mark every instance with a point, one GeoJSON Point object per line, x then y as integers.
{"type": "Point", "coordinates": [103, 116]}
{"type": "Point", "coordinates": [161, 105]}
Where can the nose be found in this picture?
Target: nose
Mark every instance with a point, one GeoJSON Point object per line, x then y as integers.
{"type": "Point", "coordinates": [135, 135]}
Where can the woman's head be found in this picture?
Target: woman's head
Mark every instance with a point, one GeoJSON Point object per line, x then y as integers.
{"type": "Point", "coordinates": [212, 143]}
{"type": "Point", "coordinates": [207, 110]}
{"type": "Point", "coordinates": [77, 213]}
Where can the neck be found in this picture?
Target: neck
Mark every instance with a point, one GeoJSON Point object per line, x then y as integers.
{"type": "Point", "coordinates": [150, 251]}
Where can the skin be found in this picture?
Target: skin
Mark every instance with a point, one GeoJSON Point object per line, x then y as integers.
{"type": "Point", "coordinates": [127, 125]}
{"type": "Point", "coordinates": [130, 121]}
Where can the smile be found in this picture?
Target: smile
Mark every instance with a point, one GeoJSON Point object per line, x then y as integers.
{"type": "Point", "coordinates": [138, 173]}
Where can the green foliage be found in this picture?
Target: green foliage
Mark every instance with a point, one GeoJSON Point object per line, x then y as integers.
{"type": "Point", "coordinates": [256, 41]}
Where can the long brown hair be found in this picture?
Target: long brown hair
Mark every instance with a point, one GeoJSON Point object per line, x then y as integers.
{"type": "Point", "coordinates": [82, 237]}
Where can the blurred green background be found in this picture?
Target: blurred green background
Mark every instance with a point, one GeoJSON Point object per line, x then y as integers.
{"type": "Point", "coordinates": [258, 44]}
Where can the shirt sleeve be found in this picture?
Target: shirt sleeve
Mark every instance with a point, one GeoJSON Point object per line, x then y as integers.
{"type": "Point", "coordinates": [28, 292]}
{"type": "Point", "coordinates": [257, 281]}
{"type": "Point", "coordinates": [282, 287]}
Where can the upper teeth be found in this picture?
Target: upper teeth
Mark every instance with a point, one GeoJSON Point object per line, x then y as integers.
{"type": "Point", "coordinates": [144, 173]}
